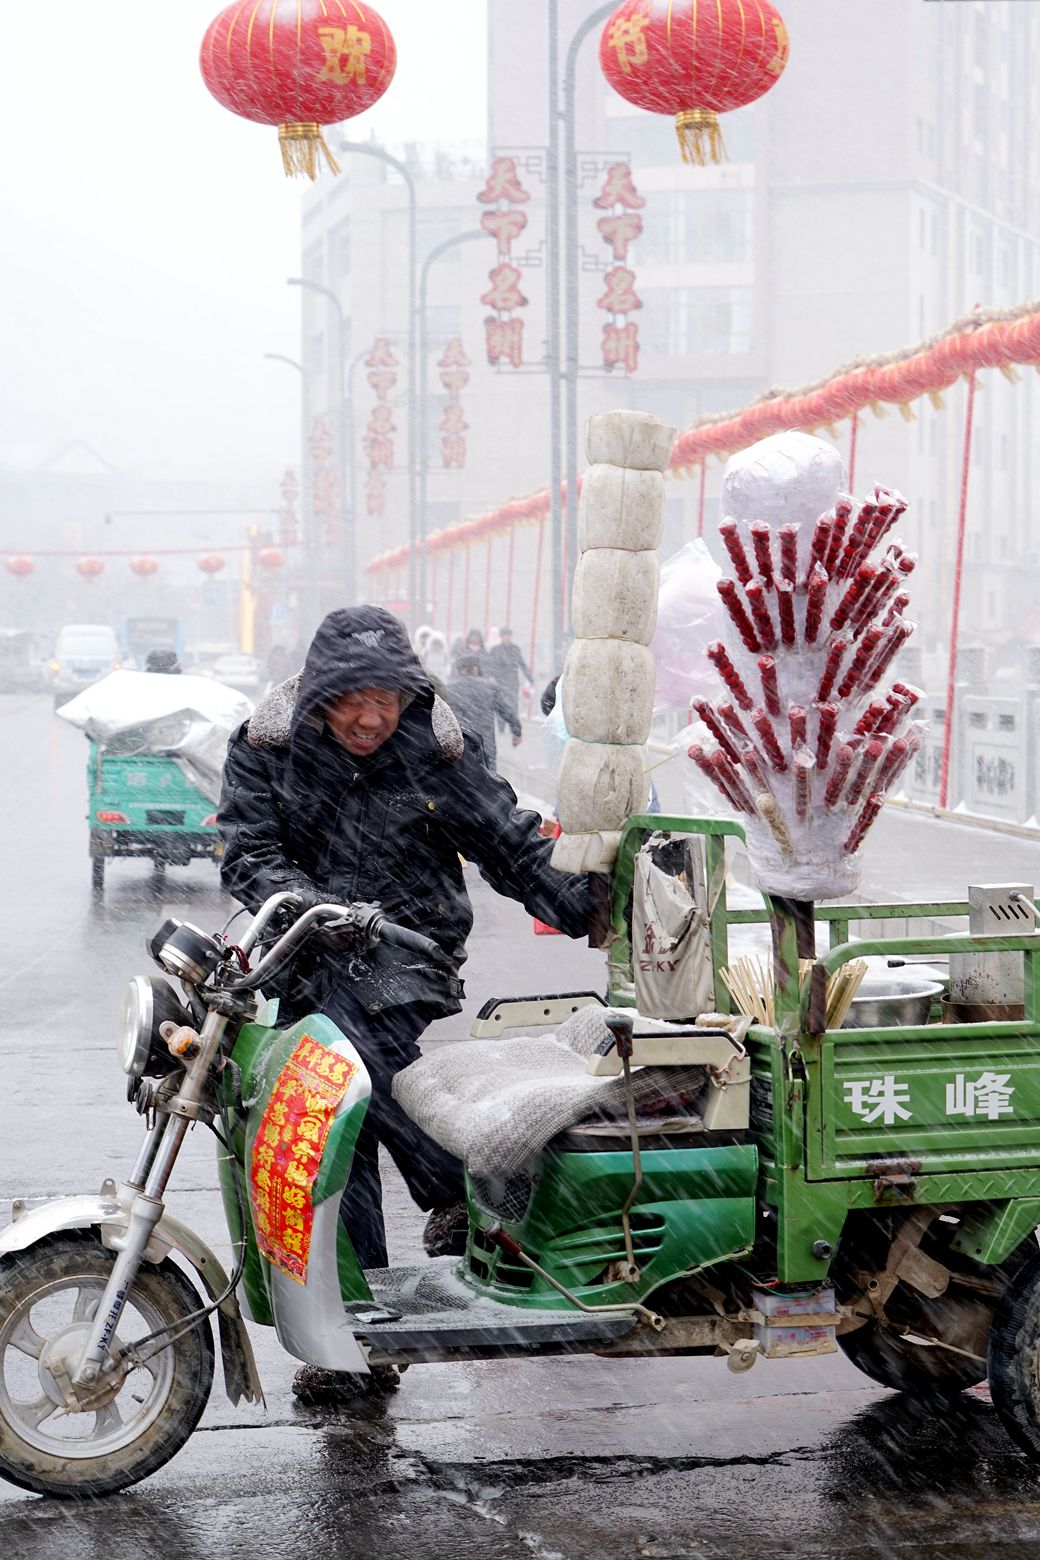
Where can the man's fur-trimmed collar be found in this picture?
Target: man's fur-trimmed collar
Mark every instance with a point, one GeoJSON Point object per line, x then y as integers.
{"type": "Point", "coordinates": [270, 724]}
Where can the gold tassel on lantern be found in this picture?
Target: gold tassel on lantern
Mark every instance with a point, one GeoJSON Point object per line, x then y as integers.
{"type": "Point", "coordinates": [700, 137]}
{"type": "Point", "coordinates": [303, 146]}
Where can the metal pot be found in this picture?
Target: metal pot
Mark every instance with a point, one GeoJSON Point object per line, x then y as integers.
{"type": "Point", "coordinates": [889, 1000]}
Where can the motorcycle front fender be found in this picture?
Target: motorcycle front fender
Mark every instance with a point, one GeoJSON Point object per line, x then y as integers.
{"type": "Point", "coordinates": [108, 1212]}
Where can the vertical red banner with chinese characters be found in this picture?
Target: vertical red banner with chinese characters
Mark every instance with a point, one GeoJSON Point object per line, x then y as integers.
{"type": "Point", "coordinates": [504, 329]}
{"type": "Point", "coordinates": [622, 225]}
{"type": "Point", "coordinates": [454, 367]}
{"type": "Point", "coordinates": [288, 521]}
{"type": "Point", "coordinates": [325, 493]}
{"type": "Point", "coordinates": [379, 441]}
{"type": "Point", "coordinates": [287, 1152]}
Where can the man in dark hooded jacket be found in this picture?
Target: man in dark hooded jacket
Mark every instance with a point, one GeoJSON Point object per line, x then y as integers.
{"type": "Point", "coordinates": [353, 782]}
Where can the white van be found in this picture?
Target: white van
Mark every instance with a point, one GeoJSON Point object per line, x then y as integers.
{"type": "Point", "coordinates": [83, 653]}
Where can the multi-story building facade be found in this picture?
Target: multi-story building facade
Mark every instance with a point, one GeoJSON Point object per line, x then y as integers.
{"type": "Point", "coordinates": [882, 189]}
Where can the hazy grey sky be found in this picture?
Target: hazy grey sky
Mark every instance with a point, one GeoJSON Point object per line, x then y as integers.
{"type": "Point", "coordinates": [146, 233]}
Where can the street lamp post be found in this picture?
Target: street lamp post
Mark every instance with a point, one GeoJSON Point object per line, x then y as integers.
{"type": "Point", "coordinates": [310, 540]}
{"type": "Point", "coordinates": [424, 418]}
{"type": "Point", "coordinates": [570, 257]}
{"type": "Point", "coordinates": [363, 149]}
{"type": "Point", "coordinates": [347, 514]}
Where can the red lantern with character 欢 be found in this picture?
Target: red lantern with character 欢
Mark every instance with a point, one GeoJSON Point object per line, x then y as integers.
{"type": "Point", "coordinates": [298, 64]}
{"type": "Point", "coordinates": [695, 61]}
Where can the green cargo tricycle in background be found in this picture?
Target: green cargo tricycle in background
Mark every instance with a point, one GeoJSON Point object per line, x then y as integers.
{"type": "Point", "coordinates": [735, 1190]}
{"type": "Point", "coordinates": [143, 805]}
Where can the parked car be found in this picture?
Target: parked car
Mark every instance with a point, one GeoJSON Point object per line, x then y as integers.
{"type": "Point", "coordinates": [238, 671]}
{"type": "Point", "coordinates": [83, 653]}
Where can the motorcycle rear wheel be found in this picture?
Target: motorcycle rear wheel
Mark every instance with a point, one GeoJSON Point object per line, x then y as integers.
{"type": "Point", "coordinates": [48, 1297]}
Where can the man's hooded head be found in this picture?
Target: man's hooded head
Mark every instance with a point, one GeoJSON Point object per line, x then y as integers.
{"type": "Point", "coordinates": [360, 674]}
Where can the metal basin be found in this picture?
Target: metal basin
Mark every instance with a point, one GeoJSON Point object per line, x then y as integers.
{"type": "Point", "coordinates": [883, 1001]}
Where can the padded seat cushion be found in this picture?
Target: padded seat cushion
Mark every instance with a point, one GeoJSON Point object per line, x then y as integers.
{"type": "Point", "coordinates": [495, 1104]}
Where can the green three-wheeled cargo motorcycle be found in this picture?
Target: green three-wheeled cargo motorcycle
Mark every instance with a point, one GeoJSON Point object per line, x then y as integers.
{"type": "Point", "coordinates": [709, 1185]}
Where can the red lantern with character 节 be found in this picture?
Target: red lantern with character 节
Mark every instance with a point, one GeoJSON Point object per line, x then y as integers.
{"type": "Point", "coordinates": [694, 61]}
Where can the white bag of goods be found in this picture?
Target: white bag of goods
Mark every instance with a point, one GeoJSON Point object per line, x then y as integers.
{"type": "Point", "coordinates": [633, 439]}
{"type": "Point", "coordinates": [620, 508]}
{"type": "Point", "coordinates": [608, 691]}
{"type": "Point", "coordinates": [615, 595]}
{"type": "Point", "coordinates": [586, 852]}
{"type": "Point", "coordinates": [599, 787]}
{"type": "Point", "coordinates": [689, 618]}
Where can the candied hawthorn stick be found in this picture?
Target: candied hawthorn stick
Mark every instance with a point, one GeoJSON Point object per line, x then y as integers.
{"type": "Point", "coordinates": [896, 609]}
{"type": "Point", "coordinates": [875, 712]}
{"type": "Point", "coordinates": [704, 764]}
{"type": "Point", "coordinates": [853, 552]}
{"type": "Point", "coordinates": [892, 641]}
{"type": "Point", "coordinates": [853, 595]}
{"type": "Point", "coordinates": [730, 533]}
{"type": "Point", "coordinates": [826, 726]}
{"type": "Point", "coordinates": [704, 711]}
{"type": "Point", "coordinates": [770, 686]}
{"type": "Point", "coordinates": [719, 657]}
{"type": "Point", "coordinates": [896, 760]}
{"type": "Point", "coordinates": [733, 782]}
{"type": "Point", "coordinates": [871, 807]}
{"type": "Point", "coordinates": [803, 768]}
{"type": "Point", "coordinates": [764, 626]}
{"type": "Point", "coordinates": [815, 602]}
{"type": "Point", "coordinates": [753, 764]}
{"type": "Point", "coordinates": [730, 718]}
{"type": "Point", "coordinates": [796, 718]}
{"type": "Point", "coordinates": [738, 614]}
{"type": "Point", "coordinates": [842, 511]}
{"type": "Point", "coordinates": [869, 760]}
{"type": "Point", "coordinates": [821, 544]}
{"type": "Point", "coordinates": [762, 542]}
{"type": "Point", "coordinates": [876, 596]}
{"type": "Point", "coordinates": [839, 774]}
{"type": "Point", "coordinates": [855, 679]}
{"type": "Point", "coordinates": [769, 811]}
{"type": "Point", "coordinates": [831, 668]}
{"type": "Point", "coordinates": [788, 535]}
{"type": "Point", "coordinates": [785, 612]}
{"type": "Point", "coordinates": [908, 692]}
{"type": "Point", "coordinates": [767, 736]}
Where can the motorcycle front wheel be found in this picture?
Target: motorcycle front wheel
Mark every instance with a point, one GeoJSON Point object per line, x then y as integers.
{"type": "Point", "coordinates": [49, 1295]}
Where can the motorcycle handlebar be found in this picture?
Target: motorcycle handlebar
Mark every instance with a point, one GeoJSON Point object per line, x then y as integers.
{"type": "Point", "coordinates": [367, 921]}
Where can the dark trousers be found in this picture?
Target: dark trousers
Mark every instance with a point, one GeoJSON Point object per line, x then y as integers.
{"type": "Point", "coordinates": [386, 1042]}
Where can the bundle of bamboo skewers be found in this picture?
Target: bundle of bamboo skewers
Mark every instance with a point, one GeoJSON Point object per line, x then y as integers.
{"type": "Point", "coordinates": [749, 981]}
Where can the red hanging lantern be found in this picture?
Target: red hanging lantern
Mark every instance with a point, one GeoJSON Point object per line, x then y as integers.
{"type": "Point", "coordinates": [211, 564]}
{"type": "Point", "coordinates": [143, 567]}
{"type": "Point", "coordinates": [270, 557]}
{"type": "Point", "coordinates": [694, 61]}
{"type": "Point", "coordinates": [90, 568]}
{"type": "Point", "coordinates": [20, 566]}
{"type": "Point", "coordinates": [298, 64]}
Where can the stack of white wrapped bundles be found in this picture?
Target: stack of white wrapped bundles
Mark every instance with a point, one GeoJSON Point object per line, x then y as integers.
{"type": "Point", "coordinates": [807, 740]}
{"type": "Point", "coordinates": [608, 677]}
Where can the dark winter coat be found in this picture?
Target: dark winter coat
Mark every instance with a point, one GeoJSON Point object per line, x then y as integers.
{"type": "Point", "coordinates": [506, 664]}
{"type": "Point", "coordinates": [476, 701]}
{"type": "Point", "coordinates": [298, 811]}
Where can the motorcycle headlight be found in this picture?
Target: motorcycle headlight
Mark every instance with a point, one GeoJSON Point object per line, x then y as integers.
{"type": "Point", "coordinates": [149, 1002]}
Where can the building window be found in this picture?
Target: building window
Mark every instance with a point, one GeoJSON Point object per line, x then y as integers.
{"type": "Point", "coordinates": [692, 227]}
{"type": "Point", "coordinates": [339, 252]}
{"type": "Point", "coordinates": [686, 321]}
{"type": "Point", "coordinates": [433, 228]}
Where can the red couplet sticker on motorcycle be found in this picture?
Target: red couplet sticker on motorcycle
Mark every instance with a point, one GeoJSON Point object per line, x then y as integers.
{"type": "Point", "coordinates": [288, 1149]}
